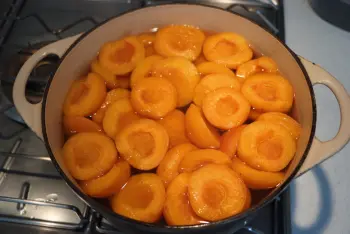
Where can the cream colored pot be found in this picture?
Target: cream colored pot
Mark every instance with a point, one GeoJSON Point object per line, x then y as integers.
{"type": "Point", "coordinates": [77, 52]}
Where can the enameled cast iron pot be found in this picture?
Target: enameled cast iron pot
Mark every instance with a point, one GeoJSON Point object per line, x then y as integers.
{"type": "Point", "coordinates": [77, 53]}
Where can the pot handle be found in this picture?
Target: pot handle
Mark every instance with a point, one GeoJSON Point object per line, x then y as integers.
{"type": "Point", "coordinates": [321, 151]}
{"type": "Point", "coordinates": [31, 113]}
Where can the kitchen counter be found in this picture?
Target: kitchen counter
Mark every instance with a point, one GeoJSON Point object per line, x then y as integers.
{"type": "Point", "coordinates": [321, 197]}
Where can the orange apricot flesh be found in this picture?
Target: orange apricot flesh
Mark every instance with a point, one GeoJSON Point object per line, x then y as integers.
{"type": "Point", "coordinates": [229, 140]}
{"type": "Point", "coordinates": [200, 59]}
{"type": "Point", "coordinates": [266, 146]}
{"type": "Point", "coordinates": [76, 124]}
{"type": "Point", "coordinates": [85, 96]}
{"type": "Point", "coordinates": [225, 108]}
{"type": "Point", "coordinates": [147, 39]}
{"type": "Point", "coordinates": [142, 198]}
{"type": "Point", "coordinates": [217, 192]}
{"type": "Point", "coordinates": [177, 209]}
{"type": "Point", "coordinates": [168, 168]}
{"type": "Point", "coordinates": [262, 64]}
{"type": "Point", "coordinates": [206, 68]}
{"type": "Point", "coordinates": [248, 201]}
{"type": "Point", "coordinates": [144, 69]}
{"type": "Point", "coordinates": [143, 144]}
{"type": "Point", "coordinates": [88, 155]}
{"type": "Point", "coordinates": [199, 131]}
{"type": "Point", "coordinates": [256, 179]}
{"type": "Point", "coordinates": [254, 114]}
{"type": "Point", "coordinates": [108, 184]}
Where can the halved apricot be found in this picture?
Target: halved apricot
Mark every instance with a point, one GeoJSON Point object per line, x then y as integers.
{"type": "Point", "coordinates": [212, 82]}
{"type": "Point", "coordinates": [196, 159]}
{"type": "Point", "coordinates": [285, 121]}
{"type": "Point", "coordinates": [144, 69]}
{"type": "Point", "coordinates": [121, 56]}
{"type": "Point", "coordinates": [143, 143]}
{"type": "Point", "coordinates": [88, 155]}
{"type": "Point", "coordinates": [147, 39]}
{"type": "Point", "coordinates": [154, 97]}
{"type": "Point", "coordinates": [174, 124]}
{"type": "Point", "coordinates": [182, 74]}
{"type": "Point", "coordinates": [108, 184]}
{"type": "Point", "coordinates": [248, 201]}
{"type": "Point", "coordinates": [76, 124]}
{"type": "Point", "coordinates": [268, 92]}
{"type": "Point", "coordinates": [177, 208]}
{"type": "Point", "coordinates": [217, 192]}
{"type": "Point", "coordinates": [266, 146]}
{"type": "Point", "coordinates": [200, 59]}
{"type": "Point", "coordinates": [229, 49]}
{"type": "Point", "coordinates": [199, 131]}
{"type": "Point", "coordinates": [118, 115]}
{"type": "Point", "coordinates": [262, 64]}
{"type": "Point", "coordinates": [254, 114]}
{"type": "Point", "coordinates": [256, 179]}
{"type": "Point", "coordinates": [207, 68]}
{"type": "Point", "coordinates": [179, 40]}
{"type": "Point", "coordinates": [225, 108]}
{"type": "Point", "coordinates": [142, 198]}
{"type": "Point", "coordinates": [168, 168]}
{"type": "Point", "coordinates": [111, 97]}
{"type": "Point", "coordinates": [229, 140]}
{"type": "Point", "coordinates": [85, 96]}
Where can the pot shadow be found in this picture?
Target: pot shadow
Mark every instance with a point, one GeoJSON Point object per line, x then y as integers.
{"type": "Point", "coordinates": [325, 209]}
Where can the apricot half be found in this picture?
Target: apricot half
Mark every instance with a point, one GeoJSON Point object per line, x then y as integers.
{"type": "Point", "coordinates": [144, 69]}
{"type": "Point", "coordinates": [168, 168]}
{"type": "Point", "coordinates": [217, 192]}
{"type": "Point", "coordinates": [147, 39]}
{"type": "Point", "coordinates": [199, 131]}
{"type": "Point", "coordinates": [143, 143]}
{"type": "Point", "coordinates": [256, 179]}
{"type": "Point", "coordinates": [182, 74]}
{"type": "Point", "coordinates": [225, 108]}
{"type": "Point", "coordinates": [268, 92]}
{"type": "Point", "coordinates": [206, 68]}
{"type": "Point", "coordinates": [228, 49]}
{"type": "Point", "coordinates": [154, 97]}
{"type": "Point", "coordinates": [121, 56]}
{"type": "Point", "coordinates": [88, 155]}
{"type": "Point", "coordinates": [76, 124]}
{"type": "Point", "coordinates": [229, 140]}
{"type": "Point", "coordinates": [200, 59]}
{"type": "Point", "coordinates": [266, 146]}
{"type": "Point", "coordinates": [196, 159]}
{"type": "Point", "coordinates": [142, 198]}
{"type": "Point", "coordinates": [212, 82]}
{"type": "Point", "coordinates": [285, 121]}
{"type": "Point", "coordinates": [254, 114]}
{"type": "Point", "coordinates": [85, 96]}
{"type": "Point", "coordinates": [108, 184]}
{"type": "Point", "coordinates": [118, 115]}
{"type": "Point", "coordinates": [179, 40]}
{"type": "Point", "coordinates": [262, 64]}
{"type": "Point", "coordinates": [177, 208]}
{"type": "Point", "coordinates": [174, 124]}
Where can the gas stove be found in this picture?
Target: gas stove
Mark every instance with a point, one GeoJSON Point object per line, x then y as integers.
{"type": "Point", "coordinates": [33, 197]}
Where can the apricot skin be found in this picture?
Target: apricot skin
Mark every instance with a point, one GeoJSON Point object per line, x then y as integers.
{"type": "Point", "coordinates": [144, 69]}
{"type": "Point", "coordinates": [229, 140]}
{"type": "Point", "coordinates": [262, 64]}
{"type": "Point", "coordinates": [207, 68]}
{"type": "Point", "coordinates": [76, 124]}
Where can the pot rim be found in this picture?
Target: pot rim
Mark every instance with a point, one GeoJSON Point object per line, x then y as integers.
{"type": "Point", "coordinates": [90, 201]}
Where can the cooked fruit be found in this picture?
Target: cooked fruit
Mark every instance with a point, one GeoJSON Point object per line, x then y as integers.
{"type": "Point", "coordinates": [216, 192]}
{"type": "Point", "coordinates": [174, 124]}
{"type": "Point", "coordinates": [228, 49]}
{"type": "Point", "coordinates": [256, 179]}
{"type": "Point", "coordinates": [182, 74]}
{"type": "Point", "coordinates": [147, 39]}
{"type": "Point", "coordinates": [111, 97]}
{"type": "Point", "coordinates": [177, 208]}
{"type": "Point", "coordinates": [85, 96]}
{"type": "Point", "coordinates": [108, 184]}
{"type": "Point", "coordinates": [266, 146]}
{"type": "Point", "coordinates": [142, 198]}
{"type": "Point", "coordinates": [248, 201]}
{"type": "Point", "coordinates": [88, 155]}
{"type": "Point", "coordinates": [225, 108]}
{"type": "Point", "coordinates": [76, 124]}
{"type": "Point", "coordinates": [212, 82]}
{"type": "Point", "coordinates": [268, 92]}
{"type": "Point", "coordinates": [199, 131]}
{"type": "Point", "coordinates": [118, 115]}
{"type": "Point", "coordinates": [143, 143]}
{"type": "Point", "coordinates": [168, 168]}
{"type": "Point", "coordinates": [262, 64]}
{"type": "Point", "coordinates": [254, 114]}
{"type": "Point", "coordinates": [206, 68]}
{"type": "Point", "coordinates": [285, 121]}
{"type": "Point", "coordinates": [179, 40]}
{"type": "Point", "coordinates": [229, 140]}
{"type": "Point", "coordinates": [121, 56]}
{"type": "Point", "coordinates": [200, 59]}
{"type": "Point", "coordinates": [154, 97]}
{"type": "Point", "coordinates": [144, 69]}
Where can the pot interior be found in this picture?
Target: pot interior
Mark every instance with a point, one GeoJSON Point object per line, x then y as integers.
{"type": "Point", "coordinates": [77, 60]}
